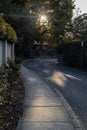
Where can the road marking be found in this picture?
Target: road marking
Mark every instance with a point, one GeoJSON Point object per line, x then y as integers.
{"type": "Point", "coordinates": [72, 77]}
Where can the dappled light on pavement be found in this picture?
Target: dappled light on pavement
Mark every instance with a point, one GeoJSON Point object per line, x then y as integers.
{"type": "Point", "coordinates": [59, 78]}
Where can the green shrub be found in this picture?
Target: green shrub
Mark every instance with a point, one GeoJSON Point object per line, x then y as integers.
{"type": "Point", "coordinates": [9, 95]}
{"type": "Point", "coordinates": [4, 86]}
{"type": "Point", "coordinates": [8, 74]}
{"type": "Point", "coordinates": [7, 32]}
{"type": "Point", "coordinates": [18, 60]}
{"type": "Point", "coordinates": [8, 86]}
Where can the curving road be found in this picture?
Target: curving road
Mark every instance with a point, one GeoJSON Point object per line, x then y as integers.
{"type": "Point", "coordinates": [70, 82]}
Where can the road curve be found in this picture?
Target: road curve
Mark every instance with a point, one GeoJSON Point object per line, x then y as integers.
{"type": "Point", "coordinates": [71, 83]}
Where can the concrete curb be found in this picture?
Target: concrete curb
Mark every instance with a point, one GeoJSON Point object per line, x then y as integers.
{"type": "Point", "coordinates": [18, 126]}
{"type": "Point", "coordinates": [77, 123]}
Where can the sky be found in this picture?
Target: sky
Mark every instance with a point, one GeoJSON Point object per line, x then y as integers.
{"type": "Point", "coordinates": [82, 4]}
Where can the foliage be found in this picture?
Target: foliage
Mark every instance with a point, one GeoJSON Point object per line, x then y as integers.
{"type": "Point", "coordinates": [80, 27]}
{"type": "Point", "coordinates": [4, 85]}
{"type": "Point", "coordinates": [61, 15]}
{"type": "Point", "coordinates": [27, 33]}
{"type": "Point", "coordinates": [58, 12]}
{"type": "Point", "coordinates": [9, 96]}
{"type": "Point", "coordinates": [6, 31]}
{"type": "Point", "coordinates": [76, 54]}
{"type": "Point", "coordinates": [68, 37]}
{"type": "Point", "coordinates": [20, 3]}
{"type": "Point", "coordinates": [7, 76]}
{"type": "Point", "coordinates": [14, 67]}
{"type": "Point", "coordinates": [26, 21]}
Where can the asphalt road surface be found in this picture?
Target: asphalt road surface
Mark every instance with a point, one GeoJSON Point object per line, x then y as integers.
{"type": "Point", "coordinates": [71, 83]}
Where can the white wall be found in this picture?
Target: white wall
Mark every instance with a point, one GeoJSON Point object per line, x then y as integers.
{"type": "Point", "coordinates": [6, 51]}
{"type": "Point", "coordinates": [9, 51]}
{"type": "Point", "coordinates": [0, 53]}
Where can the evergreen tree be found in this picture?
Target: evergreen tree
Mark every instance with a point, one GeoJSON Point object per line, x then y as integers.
{"type": "Point", "coordinates": [61, 15]}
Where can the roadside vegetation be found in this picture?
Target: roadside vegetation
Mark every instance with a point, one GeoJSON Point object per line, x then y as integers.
{"type": "Point", "coordinates": [76, 56]}
{"type": "Point", "coordinates": [73, 44]}
{"type": "Point", "coordinates": [11, 86]}
{"type": "Point", "coordinates": [11, 96]}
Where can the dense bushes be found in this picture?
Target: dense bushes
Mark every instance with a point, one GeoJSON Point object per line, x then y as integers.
{"type": "Point", "coordinates": [71, 53]}
{"type": "Point", "coordinates": [10, 91]}
{"type": "Point", "coordinates": [74, 54]}
{"type": "Point", "coordinates": [7, 32]}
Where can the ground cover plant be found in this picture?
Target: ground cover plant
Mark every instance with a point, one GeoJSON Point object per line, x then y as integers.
{"type": "Point", "coordinates": [11, 96]}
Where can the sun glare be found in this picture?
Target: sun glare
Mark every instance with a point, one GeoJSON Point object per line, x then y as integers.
{"type": "Point", "coordinates": [43, 20]}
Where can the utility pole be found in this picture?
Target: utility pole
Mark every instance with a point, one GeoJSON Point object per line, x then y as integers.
{"type": "Point", "coordinates": [82, 44]}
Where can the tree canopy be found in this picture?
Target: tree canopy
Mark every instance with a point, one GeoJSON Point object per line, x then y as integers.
{"type": "Point", "coordinates": [25, 17]}
{"type": "Point", "coordinates": [61, 15]}
{"type": "Point", "coordinates": [80, 27]}
{"type": "Point", "coordinates": [58, 12]}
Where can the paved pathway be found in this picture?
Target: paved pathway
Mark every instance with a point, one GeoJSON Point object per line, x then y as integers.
{"type": "Point", "coordinates": [43, 108]}
{"type": "Point", "coordinates": [71, 83]}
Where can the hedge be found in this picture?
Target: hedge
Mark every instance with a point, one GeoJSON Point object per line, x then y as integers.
{"type": "Point", "coordinates": [74, 54]}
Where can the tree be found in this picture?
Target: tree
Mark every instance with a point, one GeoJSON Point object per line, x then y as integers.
{"type": "Point", "coordinates": [24, 16]}
{"type": "Point", "coordinates": [80, 27]}
{"type": "Point", "coordinates": [58, 12]}
{"type": "Point", "coordinates": [16, 13]}
{"type": "Point", "coordinates": [62, 15]}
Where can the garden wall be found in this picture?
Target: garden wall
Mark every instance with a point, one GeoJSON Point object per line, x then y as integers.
{"type": "Point", "coordinates": [0, 53]}
{"type": "Point", "coordinates": [6, 51]}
